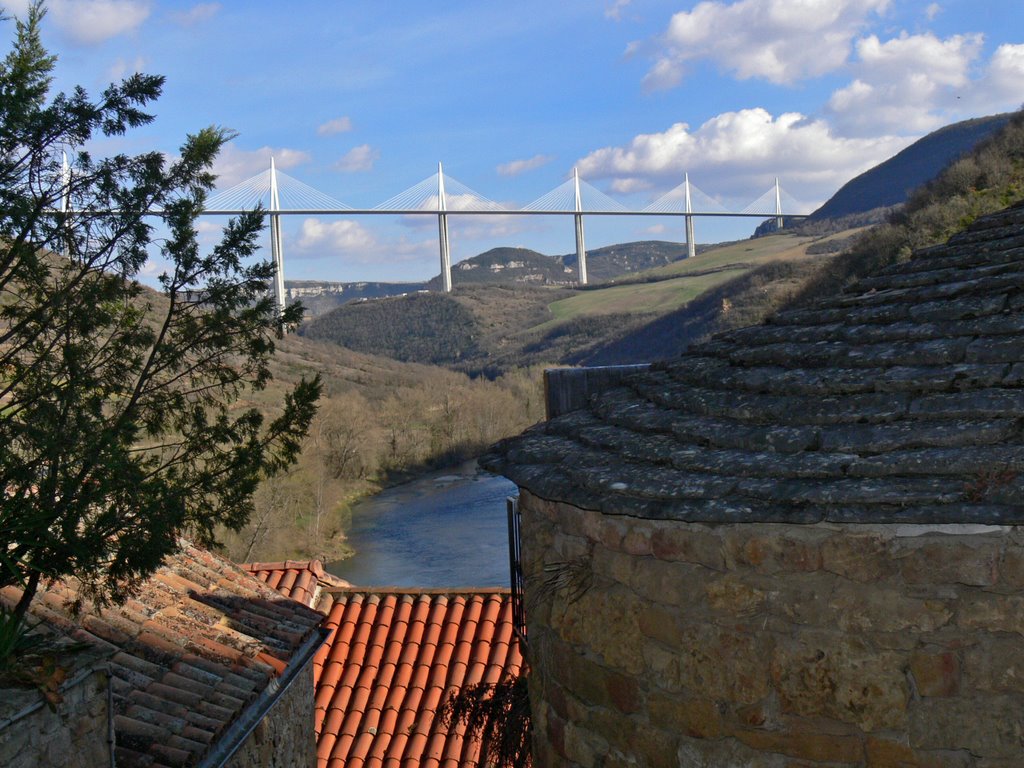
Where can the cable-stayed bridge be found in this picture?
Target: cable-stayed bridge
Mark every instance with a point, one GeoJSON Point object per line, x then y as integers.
{"type": "Point", "coordinates": [442, 196]}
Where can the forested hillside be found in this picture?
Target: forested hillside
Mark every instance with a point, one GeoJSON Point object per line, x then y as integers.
{"type": "Point", "coordinates": [505, 266]}
{"type": "Point", "coordinates": [422, 328]}
{"type": "Point", "coordinates": [490, 329]}
{"type": "Point", "coordinates": [380, 421]}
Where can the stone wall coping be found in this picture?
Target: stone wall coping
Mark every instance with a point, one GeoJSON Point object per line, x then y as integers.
{"type": "Point", "coordinates": [17, 703]}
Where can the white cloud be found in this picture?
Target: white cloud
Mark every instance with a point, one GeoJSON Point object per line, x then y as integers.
{"type": "Point", "coordinates": [946, 61]}
{"type": "Point", "coordinates": [909, 84]}
{"type": "Point", "coordinates": [1002, 82]}
{"type": "Point", "coordinates": [17, 9]}
{"type": "Point", "coordinates": [338, 235]}
{"type": "Point", "coordinates": [123, 68]}
{"type": "Point", "coordinates": [90, 22]}
{"type": "Point", "coordinates": [614, 11]}
{"type": "Point", "coordinates": [197, 14]}
{"type": "Point", "coordinates": [359, 158]}
{"type": "Point", "coordinates": [475, 227]}
{"type": "Point", "coordinates": [337, 125]}
{"type": "Point", "coordinates": [351, 241]}
{"type": "Point", "coordinates": [482, 228]}
{"type": "Point", "coordinates": [630, 186]}
{"type": "Point", "coordinates": [234, 165]}
{"type": "Point", "coordinates": [932, 11]}
{"type": "Point", "coordinates": [516, 167]}
{"type": "Point", "coordinates": [781, 41]}
{"type": "Point", "coordinates": [737, 155]}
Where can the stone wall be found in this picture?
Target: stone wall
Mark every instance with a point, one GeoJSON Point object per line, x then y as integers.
{"type": "Point", "coordinates": [286, 737]}
{"type": "Point", "coordinates": [657, 643]}
{"type": "Point", "coordinates": [75, 736]}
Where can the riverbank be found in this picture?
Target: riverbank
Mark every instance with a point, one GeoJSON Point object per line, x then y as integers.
{"type": "Point", "coordinates": [444, 529]}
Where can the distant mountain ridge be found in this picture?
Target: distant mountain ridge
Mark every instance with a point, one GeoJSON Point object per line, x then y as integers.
{"type": "Point", "coordinates": [612, 261]}
{"type": "Point", "coordinates": [321, 296]}
{"type": "Point", "coordinates": [498, 266]}
{"type": "Point", "coordinates": [506, 266]}
{"type": "Point", "coordinates": [891, 182]}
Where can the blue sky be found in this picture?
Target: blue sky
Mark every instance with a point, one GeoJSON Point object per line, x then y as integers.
{"type": "Point", "coordinates": [362, 99]}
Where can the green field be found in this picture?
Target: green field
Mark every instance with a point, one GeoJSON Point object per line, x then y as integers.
{"type": "Point", "coordinates": [664, 289]}
{"type": "Point", "coordinates": [640, 298]}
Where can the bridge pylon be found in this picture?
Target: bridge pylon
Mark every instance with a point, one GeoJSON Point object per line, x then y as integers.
{"type": "Point", "coordinates": [276, 243]}
{"type": "Point", "coordinates": [581, 248]}
{"type": "Point", "coordinates": [691, 244]}
{"type": "Point", "coordinates": [442, 233]}
{"type": "Point", "coordinates": [778, 204]}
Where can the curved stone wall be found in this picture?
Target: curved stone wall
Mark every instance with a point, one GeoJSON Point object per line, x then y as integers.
{"type": "Point", "coordinates": [656, 643]}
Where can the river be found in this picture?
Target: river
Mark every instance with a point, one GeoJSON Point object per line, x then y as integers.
{"type": "Point", "coordinates": [446, 529]}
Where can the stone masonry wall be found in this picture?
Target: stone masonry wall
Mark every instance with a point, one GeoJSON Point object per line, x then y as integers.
{"type": "Point", "coordinates": [75, 736]}
{"type": "Point", "coordinates": [658, 643]}
{"type": "Point", "coordinates": [286, 737]}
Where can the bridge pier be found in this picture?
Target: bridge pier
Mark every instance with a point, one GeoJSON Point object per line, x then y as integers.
{"type": "Point", "coordinates": [691, 244]}
{"type": "Point", "coordinates": [778, 205]}
{"type": "Point", "coordinates": [442, 234]}
{"type": "Point", "coordinates": [581, 248]}
{"type": "Point", "coordinates": [276, 244]}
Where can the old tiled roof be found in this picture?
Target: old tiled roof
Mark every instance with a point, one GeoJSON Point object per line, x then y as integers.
{"type": "Point", "coordinates": [901, 399]}
{"type": "Point", "coordinates": [300, 580]}
{"type": "Point", "coordinates": [392, 657]}
{"type": "Point", "coordinates": [390, 662]}
{"type": "Point", "coordinates": [193, 654]}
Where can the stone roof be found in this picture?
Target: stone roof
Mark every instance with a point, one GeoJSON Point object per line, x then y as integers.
{"type": "Point", "coordinates": [899, 400]}
{"type": "Point", "coordinates": [194, 657]}
{"type": "Point", "coordinates": [392, 658]}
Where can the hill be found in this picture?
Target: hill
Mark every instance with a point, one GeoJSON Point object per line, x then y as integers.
{"type": "Point", "coordinates": [612, 261]}
{"type": "Point", "coordinates": [988, 178]}
{"type": "Point", "coordinates": [498, 266]}
{"type": "Point", "coordinates": [421, 327]}
{"type": "Point", "coordinates": [890, 183]}
{"type": "Point", "coordinates": [504, 266]}
{"type": "Point", "coordinates": [486, 328]}
{"type": "Point", "coordinates": [321, 296]}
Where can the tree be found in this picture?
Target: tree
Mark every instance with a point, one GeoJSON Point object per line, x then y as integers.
{"type": "Point", "coordinates": [123, 423]}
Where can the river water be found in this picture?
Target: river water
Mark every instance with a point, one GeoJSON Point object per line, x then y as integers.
{"type": "Point", "coordinates": [447, 529]}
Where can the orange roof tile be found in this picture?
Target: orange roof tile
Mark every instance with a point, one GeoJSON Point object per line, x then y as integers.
{"type": "Point", "coordinates": [393, 657]}
{"type": "Point", "coordinates": [301, 580]}
{"type": "Point", "coordinates": [190, 654]}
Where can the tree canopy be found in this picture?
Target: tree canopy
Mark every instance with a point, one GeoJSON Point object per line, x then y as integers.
{"type": "Point", "coordinates": [123, 420]}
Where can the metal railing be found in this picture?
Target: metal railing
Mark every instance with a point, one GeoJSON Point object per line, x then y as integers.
{"type": "Point", "coordinates": [515, 567]}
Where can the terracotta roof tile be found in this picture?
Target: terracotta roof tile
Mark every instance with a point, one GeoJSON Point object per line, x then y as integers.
{"type": "Point", "coordinates": [392, 659]}
{"type": "Point", "coordinates": [190, 652]}
{"type": "Point", "coordinates": [301, 580]}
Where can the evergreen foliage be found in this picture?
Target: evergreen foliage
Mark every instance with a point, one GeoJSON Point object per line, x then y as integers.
{"type": "Point", "coordinates": [121, 425]}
